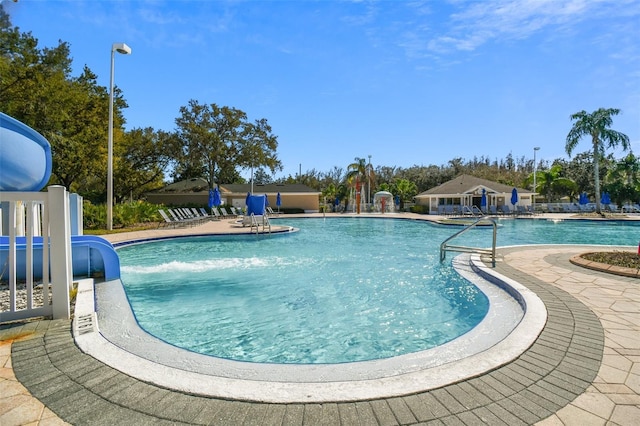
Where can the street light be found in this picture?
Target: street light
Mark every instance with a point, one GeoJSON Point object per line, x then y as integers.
{"type": "Point", "coordinates": [369, 177]}
{"type": "Point", "coordinates": [125, 50]}
{"type": "Point", "coordinates": [535, 170]}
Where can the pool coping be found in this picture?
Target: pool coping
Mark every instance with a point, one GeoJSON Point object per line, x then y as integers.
{"type": "Point", "coordinates": [245, 383]}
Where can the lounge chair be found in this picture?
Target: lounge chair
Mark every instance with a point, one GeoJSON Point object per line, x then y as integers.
{"type": "Point", "coordinates": [523, 210]}
{"type": "Point", "coordinates": [225, 213]}
{"type": "Point", "coordinates": [200, 217]}
{"type": "Point", "coordinates": [204, 213]}
{"type": "Point", "coordinates": [271, 212]}
{"type": "Point", "coordinates": [167, 220]}
{"type": "Point", "coordinates": [180, 216]}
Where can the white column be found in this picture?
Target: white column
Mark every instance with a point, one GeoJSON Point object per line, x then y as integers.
{"type": "Point", "coordinates": [60, 253]}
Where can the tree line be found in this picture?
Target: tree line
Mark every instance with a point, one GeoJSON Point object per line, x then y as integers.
{"type": "Point", "coordinates": [218, 142]}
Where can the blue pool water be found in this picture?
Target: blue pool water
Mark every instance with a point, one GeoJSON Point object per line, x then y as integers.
{"type": "Point", "coordinates": [339, 290]}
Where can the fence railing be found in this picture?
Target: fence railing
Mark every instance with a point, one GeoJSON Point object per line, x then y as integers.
{"type": "Point", "coordinates": [35, 254]}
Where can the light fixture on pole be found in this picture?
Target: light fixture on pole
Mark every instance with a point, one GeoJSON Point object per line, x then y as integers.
{"type": "Point", "coordinates": [535, 172]}
{"type": "Point", "coordinates": [125, 50]}
{"type": "Point", "coordinates": [369, 177]}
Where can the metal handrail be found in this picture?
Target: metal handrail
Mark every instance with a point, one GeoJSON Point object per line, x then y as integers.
{"type": "Point", "coordinates": [265, 223]}
{"type": "Point", "coordinates": [444, 247]}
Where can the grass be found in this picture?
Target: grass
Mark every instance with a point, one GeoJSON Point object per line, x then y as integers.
{"type": "Point", "coordinates": [625, 259]}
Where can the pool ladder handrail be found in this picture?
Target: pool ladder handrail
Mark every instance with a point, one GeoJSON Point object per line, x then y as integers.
{"type": "Point", "coordinates": [445, 247]}
{"type": "Point", "coordinates": [265, 223]}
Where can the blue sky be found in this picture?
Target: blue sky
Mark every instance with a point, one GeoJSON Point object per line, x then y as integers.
{"type": "Point", "coordinates": [407, 82]}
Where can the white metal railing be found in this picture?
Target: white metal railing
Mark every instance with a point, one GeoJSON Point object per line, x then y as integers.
{"type": "Point", "coordinates": [255, 221]}
{"type": "Point", "coordinates": [445, 246]}
{"type": "Point", "coordinates": [35, 250]}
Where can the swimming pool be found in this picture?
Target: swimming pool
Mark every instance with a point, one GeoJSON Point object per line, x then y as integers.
{"type": "Point", "coordinates": [343, 290]}
{"type": "Point", "coordinates": [227, 310]}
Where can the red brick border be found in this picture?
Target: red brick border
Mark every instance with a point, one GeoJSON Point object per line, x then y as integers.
{"type": "Point", "coordinates": [603, 267]}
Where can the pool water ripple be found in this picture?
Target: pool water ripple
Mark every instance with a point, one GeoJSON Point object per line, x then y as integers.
{"type": "Point", "coordinates": [336, 292]}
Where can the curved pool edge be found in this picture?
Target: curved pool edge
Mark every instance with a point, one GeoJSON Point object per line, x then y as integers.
{"type": "Point", "coordinates": [248, 388]}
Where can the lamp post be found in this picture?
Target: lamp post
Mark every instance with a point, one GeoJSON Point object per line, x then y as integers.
{"type": "Point", "coordinates": [535, 170]}
{"type": "Point", "coordinates": [125, 50]}
{"type": "Point", "coordinates": [369, 181]}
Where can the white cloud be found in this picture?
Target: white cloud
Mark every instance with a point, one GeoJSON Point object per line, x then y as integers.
{"type": "Point", "coordinates": [470, 25]}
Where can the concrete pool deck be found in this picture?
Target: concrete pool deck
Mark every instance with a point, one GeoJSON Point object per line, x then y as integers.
{"type": "Point", "coordinates": [582, 370]}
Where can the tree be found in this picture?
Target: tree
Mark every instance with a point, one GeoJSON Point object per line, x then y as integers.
{"type": "Point", "coordinates": [596, 125]}
{"type": "Point", "coordinates": [142, 159]}
{"type": "Point", "coordinates": [257, 147]}
{"type": "Point", "coordinates": [406, 190]}
{"type": "Point", "coordinates": [261, 177]}
{"type": "Point", "coordinates": [330, 193]}
{"type": "Point", "coordinates": [78, 134]}
{"type": "Point", "coordinates": [551, 183]}
{"type": "Point", "coordinates": [208, 137]}
{"type": "Point", "coordinates": [214, 141]}
{"type": "Point", "coordinates": [623, 180]}
{"type": "Point", "coordinates": [359, 173]}
{"type": "Point", "coordinates": [36, 87]}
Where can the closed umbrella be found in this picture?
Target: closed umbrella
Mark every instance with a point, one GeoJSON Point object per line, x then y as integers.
{"type": "Point", "coordinates": [605, 199]}
{"type": "Point", "coordinates": [278, 201]}
{"type": "Point", "coordinates": [217, 200]}
{"type": "Point", "coordinates": [210, 199]}
{"type": "Point", "coordinates": [514, 196]}
{"type": "Point", "coordinates": [584, 199]}
{"type": "Point", "coordinates": [483, 200]}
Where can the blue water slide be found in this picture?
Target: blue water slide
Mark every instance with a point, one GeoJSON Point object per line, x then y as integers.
{"type": "Point", "coordinates": [25, 157]}
{"type": "Point", "coordinates": [25, 166]}
{"type": "Point", "coordinates": [91, 256]}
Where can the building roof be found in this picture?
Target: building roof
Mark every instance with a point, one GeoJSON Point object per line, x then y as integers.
{"type": "Point", "coordinates": [200, 185]}
{"type": "Point", "coordinates": [272, 188]}
{"type": "Point", "coordinates": [188, 185]}
{"type": "Point", "coordinates": [465, 184]}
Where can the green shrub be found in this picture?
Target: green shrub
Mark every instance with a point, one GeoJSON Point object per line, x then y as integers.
{"type": "Point", "coordinates": [420, 209]}
{"type": "Point", "coordinates": [124, 215]}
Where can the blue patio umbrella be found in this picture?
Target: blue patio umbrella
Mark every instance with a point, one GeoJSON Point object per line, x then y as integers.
{"type": "Point", "coordinates": [217, 200]}
{"type": "Point", "coordinates": [278, 201]}
{"type": "Point", "coordinates": [605, 199]}
{"type": "Point", "coordinates": [210, 198]}
{"type": "Point", "coordinates": [397, 200]}
{"type": "Point", "coordinates": [514, 196]}
{"type": "Point", "coordinates": [246, 200]}
{"type": "Point", "coordinates": [483, 199]}
{"type": "Point", "coordinates": [584, 199]}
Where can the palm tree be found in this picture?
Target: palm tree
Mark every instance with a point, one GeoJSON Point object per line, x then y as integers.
{"type": "Point", "coordinates": [597, 126]}
{"type": "Point", "coordinates": [358, 173]}
{"type": "Point", "coordinates": [551, 182]}
{"type": "Point", "coordinates": [405, 189]}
